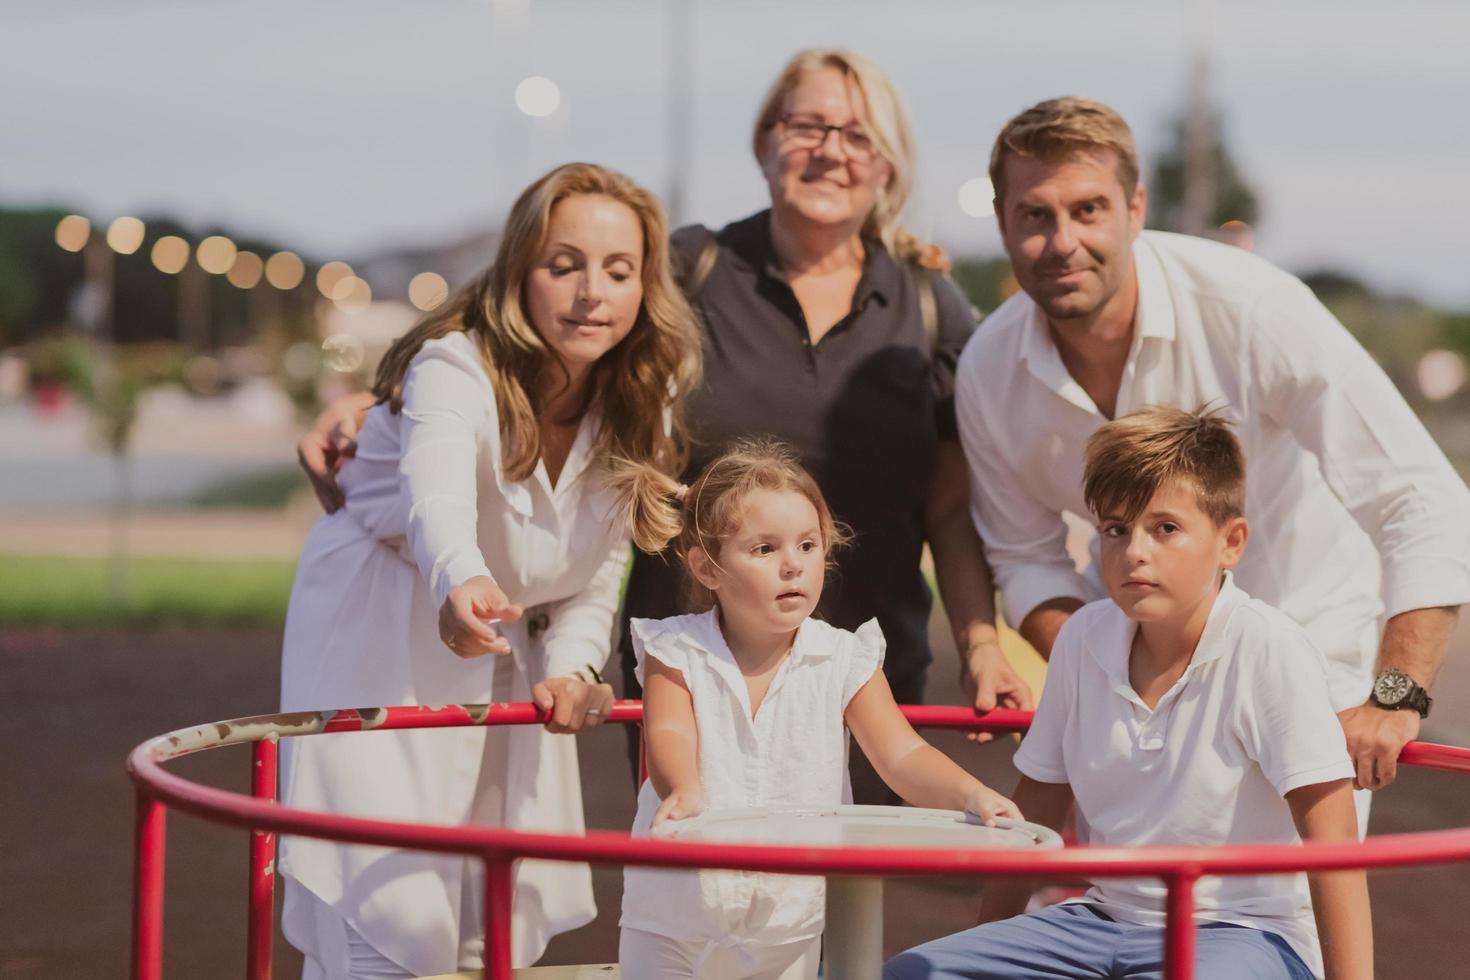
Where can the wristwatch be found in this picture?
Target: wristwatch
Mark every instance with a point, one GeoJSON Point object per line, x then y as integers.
{"type": "Point", "coordinates": [1396, 691]}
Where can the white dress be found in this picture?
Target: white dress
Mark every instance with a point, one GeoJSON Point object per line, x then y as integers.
{"type": "Point", "coordinates": [793, 752]}
{"type": "Point", "coordinates": [428, 508]}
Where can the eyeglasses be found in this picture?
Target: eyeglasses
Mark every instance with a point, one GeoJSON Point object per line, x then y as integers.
{"type": "Point", "coordinates": [810, 132]}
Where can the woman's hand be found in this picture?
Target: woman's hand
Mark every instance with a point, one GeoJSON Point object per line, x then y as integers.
{"type": "Point", "coordinates": [679, 804]}
{"type": "Point", "coordinates": [989, 682]}
{"type": "Point", "coordinates": [987, 804]}
{"type": "Point", "coordinates": [331, 439]}
{"type": "Point", "coordinates": [465, 617]}
{"type": "Point", "coordinates": [572, 703]}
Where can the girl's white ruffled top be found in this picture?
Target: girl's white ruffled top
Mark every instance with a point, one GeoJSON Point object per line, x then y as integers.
{"type": "Point", "coordinates": [792, 752]}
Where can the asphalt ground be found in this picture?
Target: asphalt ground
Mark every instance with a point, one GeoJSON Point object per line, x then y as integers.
{"type": "Point", "coordinates": [73, 702]}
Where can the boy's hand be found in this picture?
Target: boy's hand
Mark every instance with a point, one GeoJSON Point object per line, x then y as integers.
{"type": "Point", "coordinates": [989, 682]}
{"type": "Point", "coordinates": [679, 804]}
{"type": "Point", "coordinates": [331, 439]}
{"type": "Point", "coordinates": [987, 804]}
{"type": "Point", "coordinates": [573, 703]}
{"type": "Point", "coordinates": [463, 618]}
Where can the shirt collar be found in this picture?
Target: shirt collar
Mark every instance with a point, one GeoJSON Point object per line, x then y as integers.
{"type": "Point", "coordinates": [880, 275]}
{"type": "Point", "coordinates": [1155, 304]}
{"type": "Point", "coordinates": [704, 636]}
{"type": "Point", "coordinates": [1114, 643]}
{"type": "Point", "coordinates": [1154, 320]}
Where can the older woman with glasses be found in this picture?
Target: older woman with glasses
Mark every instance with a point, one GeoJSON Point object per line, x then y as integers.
{"type": "Point", "coordinates": [826, 325]}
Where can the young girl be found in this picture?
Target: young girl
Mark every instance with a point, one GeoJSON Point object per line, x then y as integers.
{"type": "Point", "coordinates": [477, 493]}
{"type": "Point", "coordinates": [748, 704]}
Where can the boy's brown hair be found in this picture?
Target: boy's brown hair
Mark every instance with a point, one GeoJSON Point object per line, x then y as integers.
{"type": "Point", "coordinates": [1131, 458]}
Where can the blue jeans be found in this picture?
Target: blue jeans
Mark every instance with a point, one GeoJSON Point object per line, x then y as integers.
{"type": "Point", "coordinates": [1075, 941]}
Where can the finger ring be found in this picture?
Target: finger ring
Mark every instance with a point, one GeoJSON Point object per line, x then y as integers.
{"type": "Point", "coordinates": [450, 643]}
{"type": "Point", "coordinates": [594, 711]}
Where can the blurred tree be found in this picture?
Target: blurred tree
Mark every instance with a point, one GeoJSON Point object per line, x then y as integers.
{"type": "Point", "coordinates": [984, 281]}
{"type": "Point", "coordinates": [38, 281]}
{"type": "Point", "coordinates": [1234, 198]}
{"type": "Point", "coordinates": [111, 379]}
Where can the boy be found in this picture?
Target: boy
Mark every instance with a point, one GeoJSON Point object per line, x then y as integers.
{"type": "Point", "coordinates": [1179, 711]}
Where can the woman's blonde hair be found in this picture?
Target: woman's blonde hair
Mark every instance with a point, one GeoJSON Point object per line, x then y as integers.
{"type": "Point", "coordinates": [708, 512]}
{"type": "Point", "coordinates": [637, 388]}
{"type": "Point", "coordinates": [886, 120]}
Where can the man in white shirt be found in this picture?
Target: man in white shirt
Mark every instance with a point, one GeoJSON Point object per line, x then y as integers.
{"type": "Point", "coordinates": [1359, 513]}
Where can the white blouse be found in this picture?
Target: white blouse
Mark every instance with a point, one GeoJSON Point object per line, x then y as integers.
{"type": "Point", "coordinates": [792, 752]}
{"type": "Point", "coordinates": [428, 507]}
{"type": "Point", "coordinates": [430, 481]}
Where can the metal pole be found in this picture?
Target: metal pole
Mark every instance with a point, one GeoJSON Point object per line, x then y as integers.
{"type": "Point", "coordinates": [260, 921]}
{"type": "Point", "coordinates": [148, 841]}
{"type": "Point", "coordinates": [499, 887]}
{"type": "Point", "coordinates": [1179, 925]}
{"type": "Point", "coordinates": [853, 946]}
{"type": "Point", "coordinates": [680, 37]}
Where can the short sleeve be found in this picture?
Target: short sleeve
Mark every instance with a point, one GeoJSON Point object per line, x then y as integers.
{"type": "Point", "coordinates": [1041, 755]}
{"type": "Point", "coordinates": [655, 637]}
{"type": "Point", "coordinates": [1285, 717]}
{"type": "Point", "coordinates": [865, 658]}
{"type": "Point", "coordinates": [956, 322]}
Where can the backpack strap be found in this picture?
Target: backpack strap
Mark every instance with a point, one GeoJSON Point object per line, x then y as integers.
{"type": "Point", "coordinates": [695, 274]}
{"type": "Point", "coordinates": [928, 303]}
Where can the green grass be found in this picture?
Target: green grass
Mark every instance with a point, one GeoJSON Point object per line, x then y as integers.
{"type": "Point", "coordinates": [77, 592]}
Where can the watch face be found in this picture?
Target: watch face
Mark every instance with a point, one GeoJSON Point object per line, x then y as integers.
{"type": "Point", "coordinates": [1392, 687]}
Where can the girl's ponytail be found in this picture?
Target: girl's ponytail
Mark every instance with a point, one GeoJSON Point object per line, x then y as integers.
{"type": "Point", "coordinates": [650, 501]}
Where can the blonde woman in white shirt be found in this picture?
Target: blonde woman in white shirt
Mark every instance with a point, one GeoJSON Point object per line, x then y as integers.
{"type": "Point", "coordinates": [478, 493]}
{"type": "Point", "coordinates": [749, 704]}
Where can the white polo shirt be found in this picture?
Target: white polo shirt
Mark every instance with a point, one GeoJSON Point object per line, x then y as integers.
{"type": "Point", "coordinates": [1341, 476]}
{"type": "Point", "coordinates": [1248, 722]}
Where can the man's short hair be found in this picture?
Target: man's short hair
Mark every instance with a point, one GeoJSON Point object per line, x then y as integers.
{"type": "Point", "coordinates": [1129, 459]}
{"type": "Point", "coordinates": [1057, 129]}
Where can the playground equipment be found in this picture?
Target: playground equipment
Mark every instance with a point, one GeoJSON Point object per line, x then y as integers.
{"type": "Point", "coordinates": [158, 790]}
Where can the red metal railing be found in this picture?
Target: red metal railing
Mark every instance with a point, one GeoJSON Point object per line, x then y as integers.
{"type": "Point", "coordinates": [157, 789]}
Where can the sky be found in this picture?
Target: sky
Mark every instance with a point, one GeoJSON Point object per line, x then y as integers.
{"type": "Point", "coordinates": [344, 128]}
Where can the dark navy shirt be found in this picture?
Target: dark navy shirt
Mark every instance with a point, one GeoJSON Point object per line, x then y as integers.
{"type": "Point", "coordinates": [865, 408]}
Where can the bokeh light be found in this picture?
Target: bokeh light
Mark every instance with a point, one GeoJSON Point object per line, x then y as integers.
{"type": "Point", "coordinates": [285, 270]}
{"type": "Point", "coordinates": [977, 197]}
{"type": "Point", "coordinates": [246, 270]}
{"type": "Point", "coordinates": [72, 232]}
{"type": "Point", "coordinates": [170, 254]}
{"type": "Point", "coordinates": [343, 352]}
{"type": "Point", "coordinates": [537, 96]}
{"type": "Point", "coordinates": [1441, 374]}
{"type": "Point", "coordinates": [215, 255]}
{"type": "Point", "coordinates": [427, 290]}
{"type": "Point", "coordinates": [352, 295]}
{"type": "Point", "coordinates": [125, 235]}
{"type": "Point", "coordinates": [329, 275]}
